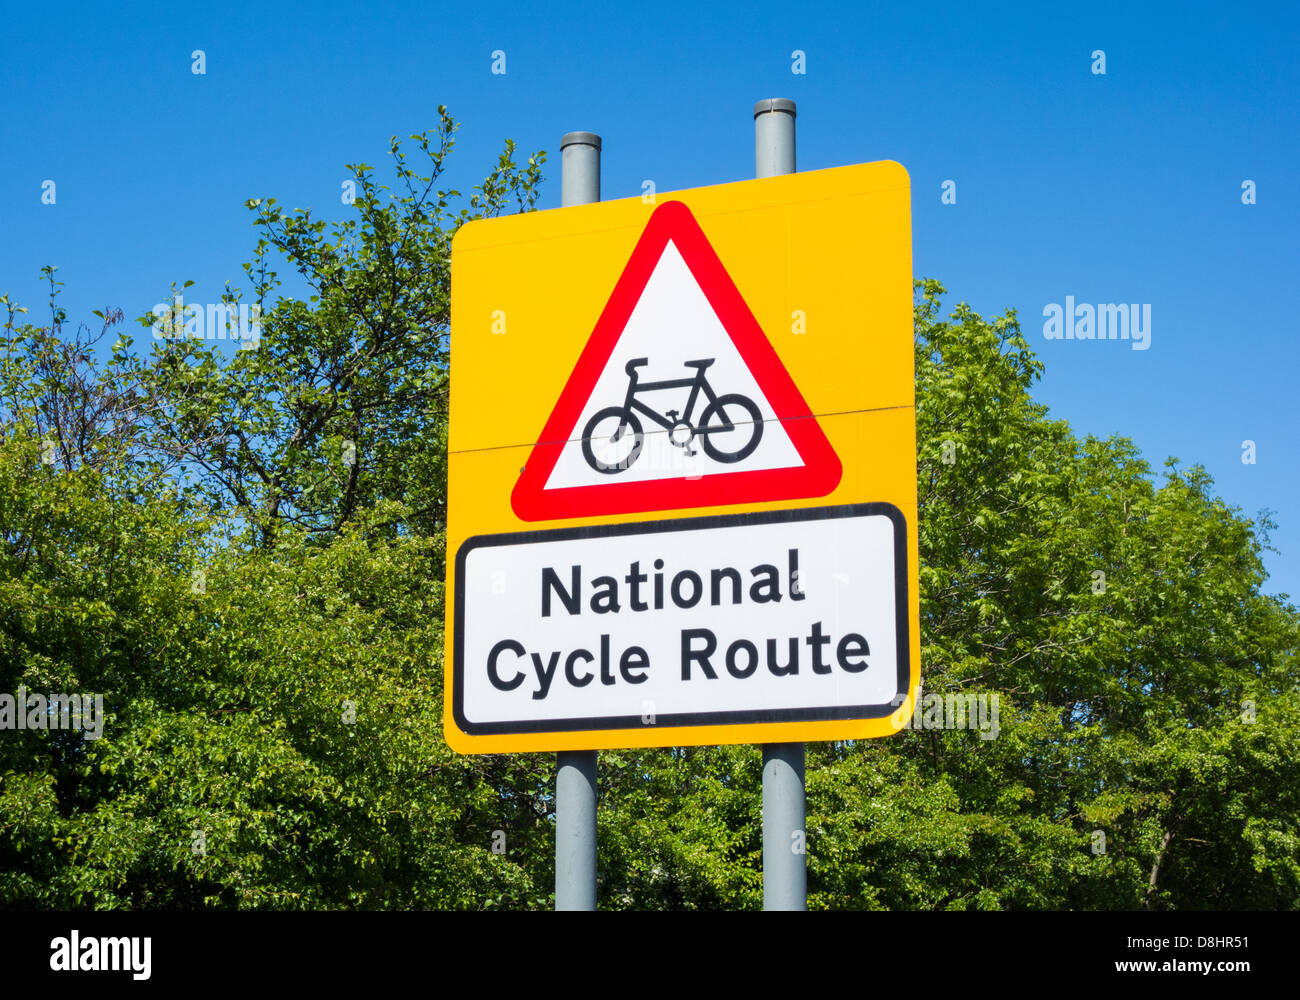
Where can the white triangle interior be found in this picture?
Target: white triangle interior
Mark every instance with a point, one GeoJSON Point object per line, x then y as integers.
{"type": "Point", "coordinates": [671, 324]}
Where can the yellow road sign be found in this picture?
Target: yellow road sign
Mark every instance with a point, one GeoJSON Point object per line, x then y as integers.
{"type": "Point", "coordinates": [682, 500]}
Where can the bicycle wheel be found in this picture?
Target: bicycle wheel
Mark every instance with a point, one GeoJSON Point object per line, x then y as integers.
{"type": "Point", "coordinates": [603, 440]}
{"type": "Point", "coordinates": [724, 443]}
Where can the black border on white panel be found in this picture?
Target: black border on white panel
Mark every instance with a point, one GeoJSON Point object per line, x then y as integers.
{"type": "Point", "coordinates": [679, 719]}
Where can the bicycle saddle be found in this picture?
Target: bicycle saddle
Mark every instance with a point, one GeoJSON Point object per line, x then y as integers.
{"type": "Point", "coordinates": [701, 364]}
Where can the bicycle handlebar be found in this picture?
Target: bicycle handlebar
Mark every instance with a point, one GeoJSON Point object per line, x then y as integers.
{"type": "Point", "coordinates": [635, 363]}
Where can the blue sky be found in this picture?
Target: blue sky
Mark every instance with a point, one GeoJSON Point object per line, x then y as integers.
{"type": "Point", "coordinates": [1122, 187]}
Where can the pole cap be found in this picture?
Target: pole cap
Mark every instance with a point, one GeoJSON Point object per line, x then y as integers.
{"type": "Point", "coordinates": [774, 104]}
{"type": "Point", "coordinates": [580, 139]}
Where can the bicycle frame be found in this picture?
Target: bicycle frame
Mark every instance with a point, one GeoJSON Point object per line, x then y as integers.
{"type": "Point", "coordinates": [698, 384]}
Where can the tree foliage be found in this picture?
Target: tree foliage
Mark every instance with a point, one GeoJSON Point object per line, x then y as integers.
{"type": "Point", "coordinates": [179, 532]}
{"type": "Point", "coordinates": [342, 404]}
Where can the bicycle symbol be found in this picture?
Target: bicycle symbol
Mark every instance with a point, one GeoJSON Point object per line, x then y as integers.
{"type": "Point", "coordinates": [725, 436]}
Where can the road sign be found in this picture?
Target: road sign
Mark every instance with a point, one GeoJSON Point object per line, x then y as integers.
{"type": "Point", "coordinates": [682, 503]}
{"type": "Point", "coordinates": [733, 426]}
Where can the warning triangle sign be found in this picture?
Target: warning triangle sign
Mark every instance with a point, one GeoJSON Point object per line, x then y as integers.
{"type": "Point", "coordinates": [678, 399]}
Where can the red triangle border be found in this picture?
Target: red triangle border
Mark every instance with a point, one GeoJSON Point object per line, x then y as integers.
{"type": "Point", "coordinates": [818, 476]}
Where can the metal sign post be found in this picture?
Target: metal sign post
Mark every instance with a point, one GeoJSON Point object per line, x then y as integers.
{"type": "Point", "coordinates": [785, 870]}
{"type": "Point", "coordinates": [575, 775]}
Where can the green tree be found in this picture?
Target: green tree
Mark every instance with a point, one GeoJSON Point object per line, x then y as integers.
{"type": "Point", "coordinates": [1120, 622]}
{"type": "Point", "coordinates": [274, 696]}
{"type": "Point", "coordinates": [343, 403]}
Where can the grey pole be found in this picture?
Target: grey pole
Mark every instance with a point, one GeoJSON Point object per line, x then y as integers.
{"type": "Point", "coordinates": [575, 776]}
{"type": "Point", "coordinates": [785, 871]}
{"type": "Point", "coordinates": [774, 137]}
{"type": "Point", "coordinates": [579, 168]}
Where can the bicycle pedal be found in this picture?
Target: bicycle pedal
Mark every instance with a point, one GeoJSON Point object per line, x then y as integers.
{"type": "Point", "coordinates": [671, 415]}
